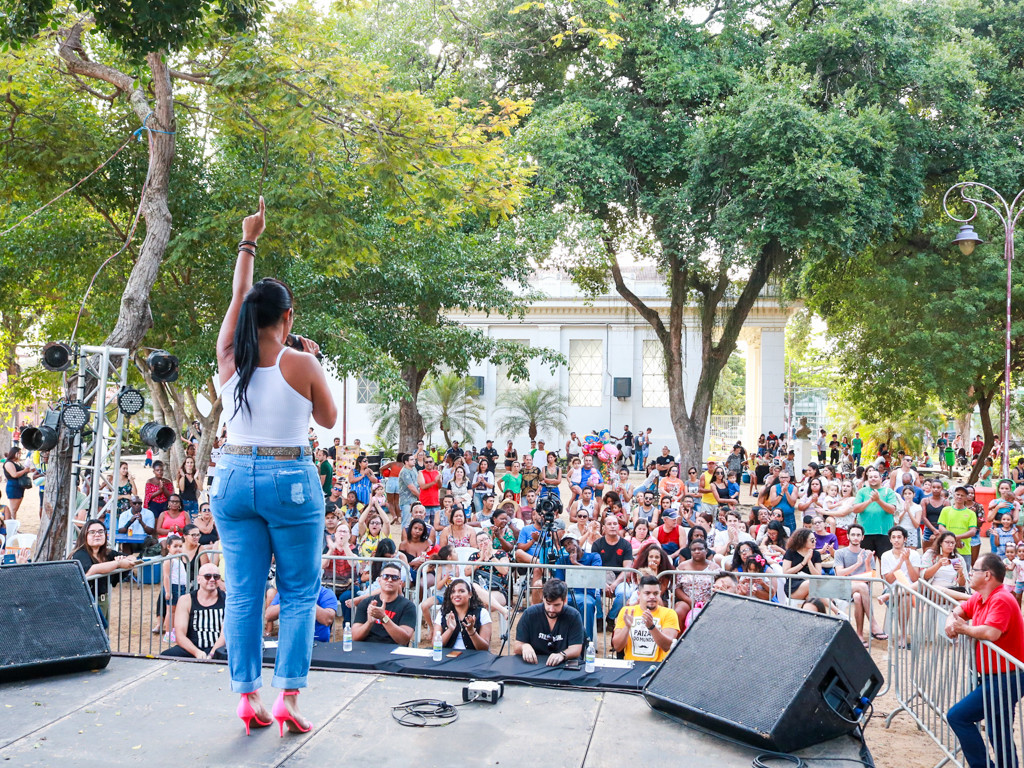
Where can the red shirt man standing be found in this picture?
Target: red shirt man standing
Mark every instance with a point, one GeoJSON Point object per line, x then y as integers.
{"type": "Point", "coordinates": [996, 618]}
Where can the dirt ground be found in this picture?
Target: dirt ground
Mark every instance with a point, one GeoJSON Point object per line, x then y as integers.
{"type": "Point", "coordinates": [133, 615]}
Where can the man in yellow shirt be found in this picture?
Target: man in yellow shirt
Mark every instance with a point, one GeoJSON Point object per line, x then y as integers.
{"type": "Point", "coordinates": [646, 631]}
{"type": "Point", "coordinates": [961, 520]}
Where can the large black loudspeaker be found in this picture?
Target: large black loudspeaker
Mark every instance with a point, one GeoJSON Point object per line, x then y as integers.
{"type": "Point", "coordinates": [772, 676]}
{"type": "Point", "coordinates": [48, 623]}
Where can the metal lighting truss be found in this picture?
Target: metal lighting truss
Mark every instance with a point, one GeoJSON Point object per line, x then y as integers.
{"type": "Point", "coordinates": [98, 452]}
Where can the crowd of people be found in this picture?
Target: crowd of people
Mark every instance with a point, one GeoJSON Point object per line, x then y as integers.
{"type": "Point", "coordinates": [684, 527]}
{"type": "Point", "coordinates": [884, 518]}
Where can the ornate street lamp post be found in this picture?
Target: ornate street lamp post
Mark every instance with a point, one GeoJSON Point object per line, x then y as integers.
{"type": "Point", "coordinates": [966, 239]}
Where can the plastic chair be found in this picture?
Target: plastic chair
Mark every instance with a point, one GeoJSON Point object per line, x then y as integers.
{"type": "Point", "coordinates": [21, 541]}
{"type": "Point", "coordinates": [12, 527]}
{"type": "Point", "coordinates": [463, 553]}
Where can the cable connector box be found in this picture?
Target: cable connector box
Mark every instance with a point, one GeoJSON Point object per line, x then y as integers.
{"type": "Point", "coordinates": [483, 690]}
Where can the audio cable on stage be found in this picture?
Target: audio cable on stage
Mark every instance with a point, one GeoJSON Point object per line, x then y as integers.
{"type": "Point", "coordinates": [425, 713]}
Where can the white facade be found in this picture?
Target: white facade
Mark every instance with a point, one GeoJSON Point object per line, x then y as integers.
{"type": "Point", "coordinates": [605, 339]}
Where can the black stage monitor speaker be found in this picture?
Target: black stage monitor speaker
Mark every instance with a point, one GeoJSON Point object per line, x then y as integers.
{"type": "Point", "coordinates": [772, 676]}
{"type": "Point", "coordinates": [48, 622]}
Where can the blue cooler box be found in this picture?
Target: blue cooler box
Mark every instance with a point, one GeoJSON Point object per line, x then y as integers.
{"type": "Point", "coordinates": [150, 574]}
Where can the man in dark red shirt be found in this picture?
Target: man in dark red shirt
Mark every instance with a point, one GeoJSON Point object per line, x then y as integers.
{"type": "Point", "coordinates": [996, 618]}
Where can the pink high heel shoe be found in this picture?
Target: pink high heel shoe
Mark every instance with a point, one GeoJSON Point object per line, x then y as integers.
{"type": "Point", "coordinates": [248, 715]}
{"type": "Point", "coordinates": [284, 717]}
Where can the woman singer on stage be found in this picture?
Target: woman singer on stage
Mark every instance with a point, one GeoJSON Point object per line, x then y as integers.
{"type": "Point", "coordinates": [265, 494]}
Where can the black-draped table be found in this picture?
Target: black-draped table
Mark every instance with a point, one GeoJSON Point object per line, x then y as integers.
{"type": "Point", "coordinates": [468, 665]}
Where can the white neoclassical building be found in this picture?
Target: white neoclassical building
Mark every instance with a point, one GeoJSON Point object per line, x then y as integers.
{"type": "Point", "coordinates": [615, 372]}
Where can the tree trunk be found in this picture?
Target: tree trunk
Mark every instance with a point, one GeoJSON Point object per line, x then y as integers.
{"type": "Point", "coordinates": [208, 424]}
{"type": "Point", "coordinates": [134, 317]}
{"type": "Point", "coordinates": [410, 421]}
{"type": "Point", "coordinates": [691, 424]}
{"type": "Point", "coordinates": [987, 435]}
{"type": "Point", "coordinates": [964, 424]}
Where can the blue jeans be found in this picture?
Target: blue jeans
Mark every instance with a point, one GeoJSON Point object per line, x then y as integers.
{"type": "Point", "coordinates": [266, 507]}
{"type": "Point", "coordinates": [589, 606]}
{"type": "Point", "coordinates": [1002, 693]}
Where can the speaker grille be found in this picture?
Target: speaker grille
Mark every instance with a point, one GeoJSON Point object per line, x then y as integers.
{"type": "Point", "coordinates": [750, 683]}
{"type": "Point", "coordinates": [47, 617]}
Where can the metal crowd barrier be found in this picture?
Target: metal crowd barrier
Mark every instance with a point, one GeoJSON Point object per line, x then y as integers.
{"type": "Point", "coordinates": [520, 579]}
{"type": "Point", "coordinates": [929, 673]}
{"type": "Point", "coordinates": [135, 608]}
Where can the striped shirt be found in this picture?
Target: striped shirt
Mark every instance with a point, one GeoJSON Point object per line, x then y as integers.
{"type": "Point", "coordinates": [205, 621]}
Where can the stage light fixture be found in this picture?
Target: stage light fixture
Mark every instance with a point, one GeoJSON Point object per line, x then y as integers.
{"type": "Point", "coordinates": [56, 356]}
{"type": "Point", "coordinates": [130, 400]}
{"type": "Point", "coordinates": [157, 435]}
{"type": "Point", "coordinates": [74, 416]}
{"type": "Point", "coordinates": [43, 437]}
{"type": "Point", "coordinates": [163, 366]}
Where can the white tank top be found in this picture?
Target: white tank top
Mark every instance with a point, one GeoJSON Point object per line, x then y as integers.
{"type": "Point", "coordinates": [277, 415]}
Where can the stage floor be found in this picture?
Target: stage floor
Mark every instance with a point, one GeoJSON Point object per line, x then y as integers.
{"type": "Point", "coordinates": [161, 713]}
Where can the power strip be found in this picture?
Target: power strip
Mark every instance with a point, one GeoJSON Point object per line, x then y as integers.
{"type": "Point", "coordinates": [483, 690]}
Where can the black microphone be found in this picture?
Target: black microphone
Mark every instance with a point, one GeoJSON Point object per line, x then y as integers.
{"type": "Point", "coordinates": [295, 342]}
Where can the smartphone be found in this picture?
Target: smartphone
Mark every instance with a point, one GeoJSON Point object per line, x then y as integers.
{"type": "Point", "coordinates": [454, 654]}
{"type": "Point", "coordinates": [572, 664]}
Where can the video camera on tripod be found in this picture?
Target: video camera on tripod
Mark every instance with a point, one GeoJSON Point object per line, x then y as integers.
{"type": "Point", "coordinates": [550, 507]}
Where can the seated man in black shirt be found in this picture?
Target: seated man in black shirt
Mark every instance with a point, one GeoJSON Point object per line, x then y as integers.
{"type": "Point", "coordinates": [551, 629]}
{"type": "Point", "coordinates": [388, 617]}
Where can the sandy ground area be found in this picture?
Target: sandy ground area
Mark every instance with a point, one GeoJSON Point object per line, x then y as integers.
{"type": "Point", "coordinates": [133, 615]}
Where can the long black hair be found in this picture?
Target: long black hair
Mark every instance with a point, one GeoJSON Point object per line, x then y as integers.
{"type": "Point", "coordinates": [755, 551]}
{"type": "Point", "coordinates": [385, 548]}
{"type": "Point", "coordinates": [474, 609]}
{"type": "Point", "coordinates": [262, 307]}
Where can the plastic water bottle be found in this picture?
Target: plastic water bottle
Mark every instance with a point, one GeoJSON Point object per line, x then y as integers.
{"type": "Point", "coordinates": [437, 644]}
{"type": "Point", "coordinates": [346, 637]}
{"type": "Point", "coordinates": [591, 655]}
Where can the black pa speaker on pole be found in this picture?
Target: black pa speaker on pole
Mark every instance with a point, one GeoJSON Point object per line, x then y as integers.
{"type": "Point", "coordinates": [772, 676]}
{"type": "Point", "coordinates": [48, 622]}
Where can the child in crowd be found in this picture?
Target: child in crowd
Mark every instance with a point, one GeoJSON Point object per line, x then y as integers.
{"type": "Point", "coordinates": [1004, 536]}
{"type": "Point", "coordinates": [174, 580]}
{"type": "Point", "coordinates": [1009, 555]}
{"type": "Point", "coordinates": [575, 478]}
{"type": "Point", "coordinates": [1017, 564]}
{"type": "Point", "coordinates": [733, 486]}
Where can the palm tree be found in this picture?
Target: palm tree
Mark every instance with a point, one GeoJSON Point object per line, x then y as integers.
{"type": "Point", "coordinates": [450, 402]}
{"type": "Point", "coordinates": [906, 431]}
{"type": "Point", "coordinates": [447, 402]}
{"type": "Point", "coordinates": [531, 410]}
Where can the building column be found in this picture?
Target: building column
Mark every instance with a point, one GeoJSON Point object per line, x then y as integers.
{"type": "Point", "coordinates": [752, 390]}
{"type": "Point", "coordinates": [765, 382]}
{"type": "Point", "coordinates": [773, 380]}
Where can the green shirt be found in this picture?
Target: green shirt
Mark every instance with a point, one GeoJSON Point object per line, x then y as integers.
{"type": "Point", "coordinates": [875, 519]}
{"type": "Point", "coordinates": [857, 444]}
{"type": "Point", "coordinates": [959, 521]}
{"type": "Point", "coordinates": [325, 467]}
